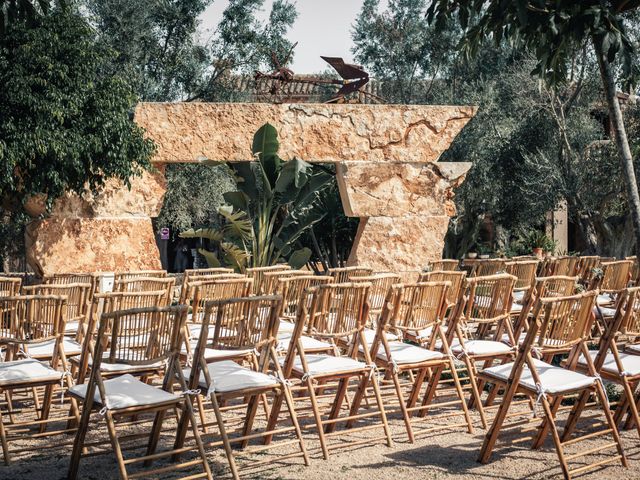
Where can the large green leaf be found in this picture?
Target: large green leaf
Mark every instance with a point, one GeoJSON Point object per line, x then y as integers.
{"type": "Point", "coordinates": [265, 146]}
{"type": "Point", "coordinates": [238, 200]}
{"type": "Point", "coordinates": [210, 257]}
{"type": "Point", "coordinates": [234, 255]}
{"type": "Point", "coordinates": [293, 175]}
{"type": "Point", "coordinates": [299, 258]}
{"type": "Point", "coordinates": [208, 233]}
{"type": "Point", "coordinates": [238, 224]}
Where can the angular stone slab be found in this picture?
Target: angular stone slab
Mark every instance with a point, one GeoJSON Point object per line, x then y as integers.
{"type": "Point", "coordinates": [399, 244]}
{"type": "Point", "coordinates": [370, 189]}
{"type": "Point", "coordinates": [91, 245]}
{"type": "Point", "coordinates": [143, 199]}
{"type": "Point", "coordinates": [187, 132]}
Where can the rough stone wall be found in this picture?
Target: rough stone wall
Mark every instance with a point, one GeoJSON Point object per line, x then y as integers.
{"type": "Point", "coordinates": [387, 169]}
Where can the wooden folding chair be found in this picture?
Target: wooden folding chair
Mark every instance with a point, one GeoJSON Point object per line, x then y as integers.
{"type": "Point", "coordinates": [147, 284]}
{"type": "Point", "coordinates": [585, 268]}
{"type": "Point", "coordinates": [621, 367]}
{"type": "Point", "coordinates": [409, 309]}
{"type": "Point", "coordinates": [635, 270]}
{"type": "Point", "coordinates": [380, 286]}
{"type": "Point", "coordinates": [27, 322]}
{"type": "Point", "coordinates": [614, 280]}
{"type": "Point", "coordinates": [200, 275]}
{"type": "Point", "coordinates": [482, 317]}
{"type": "Point", "coordinates": [342, 274]}
{"type": "Point", "coordinates": [561, 325]}
{"type": "Point", "coordinates": [129, 275]}
{"type": "Point", "coordinates": [525, 272]}
{"type": "Point", "coordinates": [337, 314]}
{"type": "Point", "coordinates": [204, 292]}
{"type": "Point", "coordinates": [10, 286]}
{"type": "Point", "coordinates": [484, 268]}
{"type": "Point", "coordinates": [77, 309]}
{"type": "Point", "coordinates": [257, 273]}
{"type": "Point", "coordinates": [271, 280]}
{"type": "Point", "coordinates": [444, 265]}
{"type": "Point", "coordinates": [239, 325]}
{"type": "Point", "coordinates": [104, 303]}
{"type": "Point", "coordinates": [73, 278]}
{"type": "Point", "coordinates": [126, 395]}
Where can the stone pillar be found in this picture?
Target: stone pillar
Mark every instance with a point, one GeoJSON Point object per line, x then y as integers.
{"type": "Point", "coordinates": [387, 170]}
{"type": "Point", "coordinates": [558, 227]}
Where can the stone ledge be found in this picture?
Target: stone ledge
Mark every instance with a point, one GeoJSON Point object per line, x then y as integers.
{"type": "Point", "coordinates": [185, 132]}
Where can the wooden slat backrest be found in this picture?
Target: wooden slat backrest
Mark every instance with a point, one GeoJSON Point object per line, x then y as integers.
{"type": "Point", "coordinates": [444, 265]}
{"type": "Point", "coordinates": [484, 268]}
{"type": "Point", "coordinates": [338, 310]}
{"type": "Point", "coordinates": [146, 284]}
{"type": "Point", "coordinates": [271, 283]}
{"type": "Point", "coordinates": [139, 273]}
{"type": "Point", "coordinates": [418, 306]}
{"type": "Point", "coordinates": [615, 276]}
{"type": "Point", "coordinates": [295, 292]}
{"type": "Point", "coordinates": [257, 274]}
{"type": "Point", "coordinates": [525, 271]}
{"type": "Point", "coordinates": [380, 285]}
{"type": "Point", "coordinates": [10, 286]}
{"type": "Point", "coordinates": [456, 279]}
{"type": "Point", "coordinates": [342, 274]}
{"type": "Point", "coordinates": [78, 297]}
{"type": "Point", "coordinates": [211, 290]}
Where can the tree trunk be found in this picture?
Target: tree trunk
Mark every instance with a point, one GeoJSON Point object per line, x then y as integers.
{"type": "Point", "coordinates": [620, 137]}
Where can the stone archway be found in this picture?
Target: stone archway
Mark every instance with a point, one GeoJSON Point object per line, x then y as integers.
{"type": "Point", "coordinates": [387, 168]}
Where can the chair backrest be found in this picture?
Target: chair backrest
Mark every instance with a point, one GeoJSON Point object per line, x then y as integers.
{"type": "Point", "coordinates": [380, 285]}
{"type": "Point", "coordinates": [140, 336]}
{"type": "Point", "coordinates": [563, 322]}
{"type": "Point", "coordinates": [295, 291]}
{"type": "Point", "coordinates": [635, 270]}
{"type": "Point", "coordinates": [563, 266]}
{"type": "Point", "coordinates": [484, 268]}
{"type": "Point", "coordinates": [488, 299]}
{"type": "Point", "coordinates": [257, 274]}
{"type": "Point", "coordinates": [444, 265]}
{"type": "Point", "coordinates": [338, 310]}
{"type": "Point", "coordinates": [555, 286]}
{"type": "Point", "coordinates": [147, 284]}
{"type": "Point", "coordinates": [585, 268]}
{"type": "Point", "coordinates": [456, 279]}
{"type": "Point", "coordinates": [240, 323]}
{"type": "Point", "coordinates": [628, 309]}
{"type": "Point", "coordinates": [615, 276]}
{"type": "Point", "coordinates": [70, 278]}
{"type": "Point", "coordinates": [10, 286]}
{"type": "Point", "coordinates": [204, 272]}
{"type": "Point", "coordinates": [525, 271]}
{"type": "Point", "coordinates": [342, 274]}
{"type": "Point", "coordinates": [31, 319]}
{"type": "Point", "coordinates": [271, 283]}
{"type": "Point", "coordinates": [186, 292]}
{"type": "Point", "coordinates": [210, 290]}
{"type": "Point", "coordinates": [417, 307]}
{"type": "Point", "coordinates": [78, 298]}
{"type": "Point", "coordinates": [118, 276]}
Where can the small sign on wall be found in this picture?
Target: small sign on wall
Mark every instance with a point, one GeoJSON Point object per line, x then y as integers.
{"type": "Point", "coordinates": [164, 233]}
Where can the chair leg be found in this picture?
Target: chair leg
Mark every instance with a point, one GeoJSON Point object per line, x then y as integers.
{"type": "Point", "coordinates": [492, 435]}
{"type": "Point", "coordinates": [318, 418]}
{"type": "Point", "coordinates": [4, 441]}
{"type": "Point", "coordinates": [276, 406]}
{"type": "Point", "coordinates": [547, 423]}
{"type": "Point", "coordinates": [155, 435]}
{"type": "Point", "coordinates": [476, 395]}
{"type": "Point", "coordinates": [46, 407]}
{"type": "Point", "coordinates": [111, 428]}
{"type": "Point", "coordinates": [189, 415]}
{"type": "Point", "coordinates": [403, 407]}
{"type": "Point", "coordinates": [8, 398]}
{"type": "Point", "coordinates": [632, 405]}
{"type": "Point", "coordinates": [602, 397]}
{"type": "Point", "coordinates": [383, 415]}
{"type": "Point", "coordinates": [296, 425]}
{"type": "Point", "coordinates": [343, 384]}
{"type": "Point", "coordinates": [225, 437]}
{"type": "Point", "coordinates": [415, 392]}
{"type": "Point", "coordinates": [550, 421]}
{"type": "Point", "coordinates": [359, 395]}
{"type": "Point", "coordinates": [460, 392]}
{"type": "Point", "coordinates": [574, 415]}
{"type": "Point", "coordinates": [252, 409]}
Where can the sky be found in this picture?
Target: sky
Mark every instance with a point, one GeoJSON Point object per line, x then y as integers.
{"type": "Point", "coordinates": [323, 27]}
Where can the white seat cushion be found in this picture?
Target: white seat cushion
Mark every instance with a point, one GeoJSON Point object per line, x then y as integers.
{"type": "Point", "coordinates": [327, 364]}
{"type": "Point", "coordinates": [71, 328]}
{"type": "Point", "coordinates": [552, 379]}
{"type": "Point", "coordinates": [516, 307]}
{"type": "Point", "coordinates": [370, 334]}
{"type": "Point", "coordinates": [505, 338]}
{"type": "Point", "coordinates": [481, 347]}
{"type": "Point", "coordinates": [518, 296]}
{"type": "Point", "coordinates": [126, 391]}
{"type": "Point", "coordinates": [228, 376]}
{"type": "Point", "coordinates": [630, 363]}
{"type": "Point", "coordinates": [308, 343]}
{"type": "Point", "coordinates": [605, 299]}
{"type": "Point", "coordinates": [403, 353]}
{"type": "Point", "coordinates": [635, 349]}
{"type": "Point", "coordinates": [286, 327]}
{"type": "Point", "coordinates": [45, 349]}
{"type": "Point", "coordinates": [24, 370]}
{"type": "Point", "coordinates": [606, 311]}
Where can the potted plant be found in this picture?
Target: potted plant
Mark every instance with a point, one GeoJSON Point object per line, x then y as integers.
{"type": "Point", "coordinates": [484, 251]}
{"type": "Point", "coordinates": [472, 254]}
{"type": "Point", "coordinates": [539, 242]}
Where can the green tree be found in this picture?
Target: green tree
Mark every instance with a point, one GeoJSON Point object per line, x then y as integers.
{"type": "Point", "coordinates": [13, 11]}
{"type": "Point", "coordinates": [270, 210]}
{"type": "Point", "coordinates": [554, 31]}
{"type": "Point", "coordinates": [64, 125]}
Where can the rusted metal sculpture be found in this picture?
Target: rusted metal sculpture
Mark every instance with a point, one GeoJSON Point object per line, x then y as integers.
{"type": "Point", "coordinates": [354, 79]}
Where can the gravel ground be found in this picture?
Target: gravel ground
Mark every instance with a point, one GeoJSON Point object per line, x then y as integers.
{"type": "Point", "coordinates": [445, 454]}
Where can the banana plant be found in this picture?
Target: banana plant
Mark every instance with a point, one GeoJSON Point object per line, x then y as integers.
{"type": "Point", "coordinates": [276, 201]}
